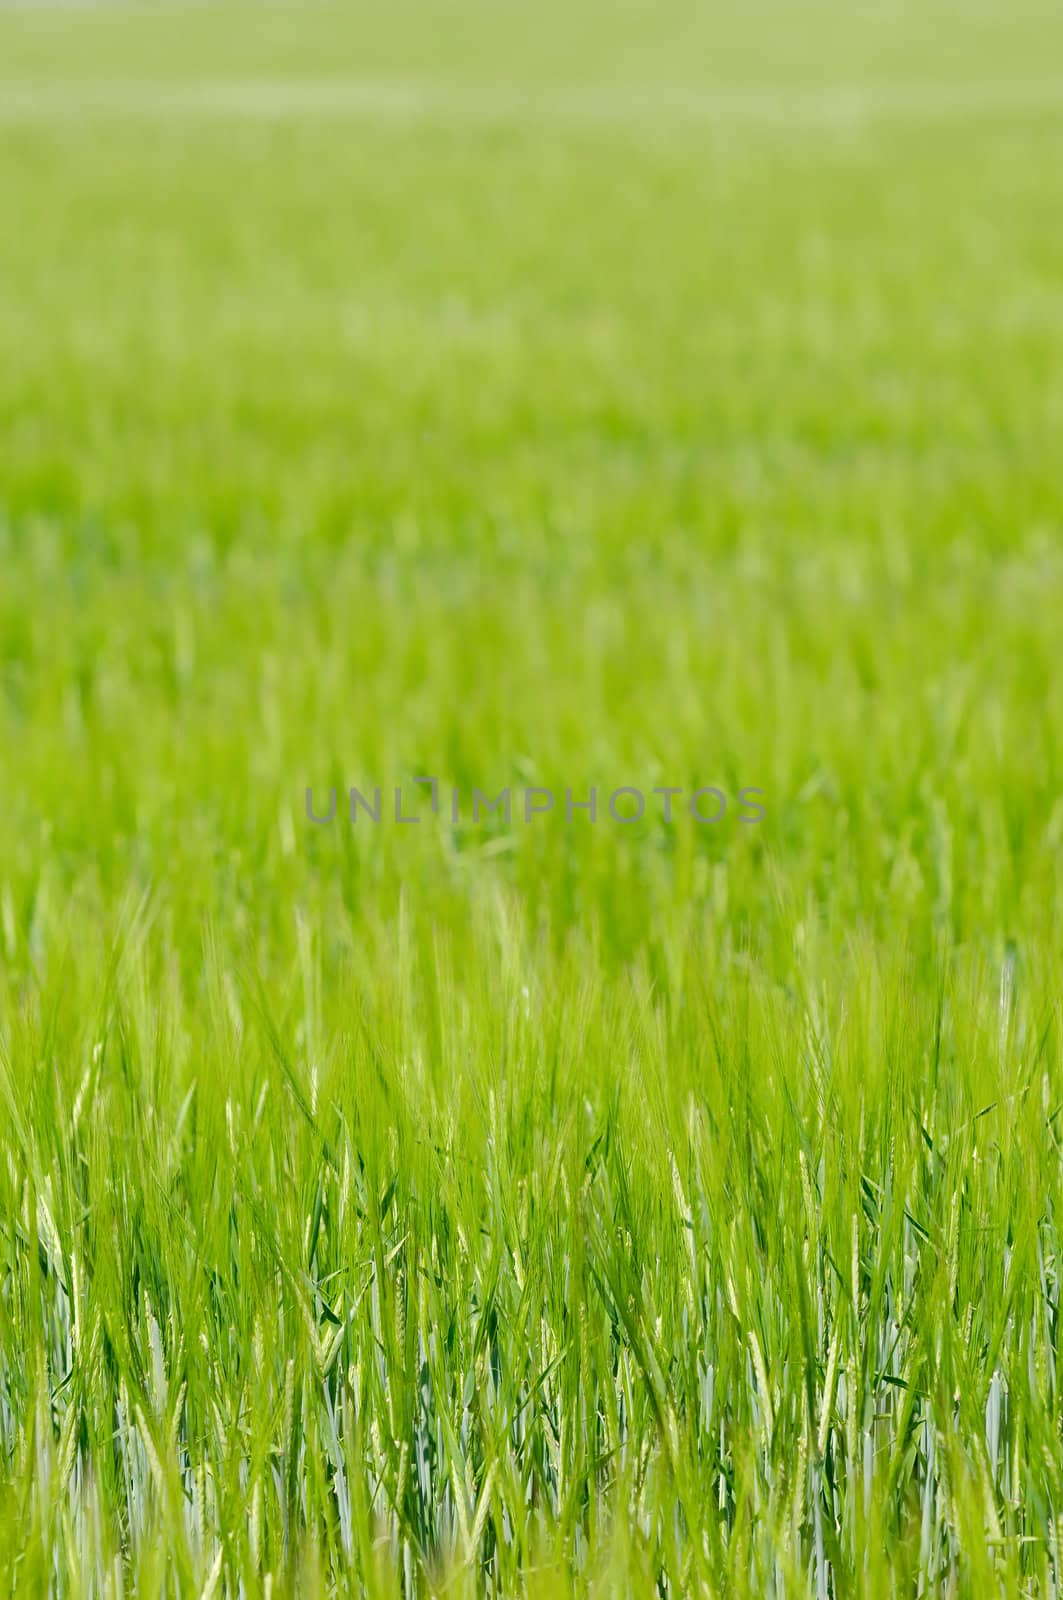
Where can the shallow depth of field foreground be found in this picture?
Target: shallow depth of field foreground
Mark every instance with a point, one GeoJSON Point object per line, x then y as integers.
{"type": "Point", "coordinates": [531, 396]}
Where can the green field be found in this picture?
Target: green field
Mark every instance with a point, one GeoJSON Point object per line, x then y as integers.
{"type": "Point", "coordinates": [554, 396]}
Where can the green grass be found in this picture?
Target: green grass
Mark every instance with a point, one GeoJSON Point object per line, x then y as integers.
{"type": "Point", "coordinates": [531, 395]}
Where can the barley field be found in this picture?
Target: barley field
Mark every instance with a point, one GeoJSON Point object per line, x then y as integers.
{"type": "Point", "coordinates": [540, 399]}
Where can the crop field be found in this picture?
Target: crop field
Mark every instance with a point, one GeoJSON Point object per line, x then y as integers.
{"type": "Point", "coordinates": [569, 1193]}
